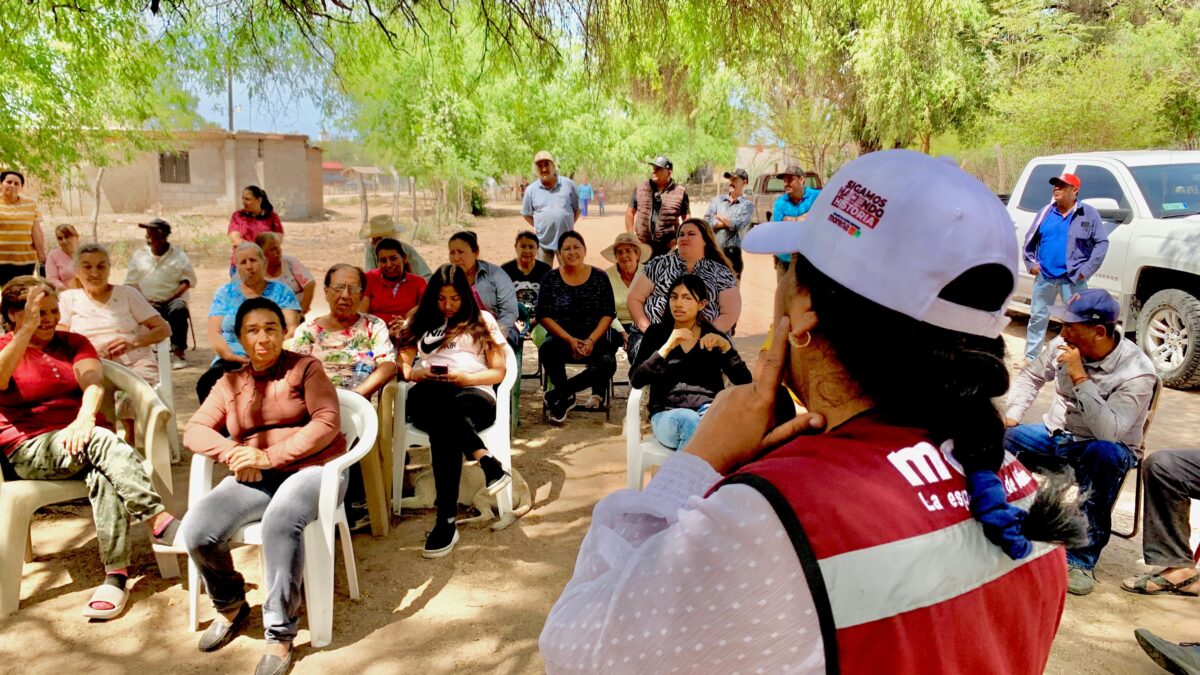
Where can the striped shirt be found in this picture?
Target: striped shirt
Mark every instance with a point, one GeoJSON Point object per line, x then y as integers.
{"type": "Point", "coordinates": [16, 232]}
{"type": "Point", "coordinates": [663, 270]}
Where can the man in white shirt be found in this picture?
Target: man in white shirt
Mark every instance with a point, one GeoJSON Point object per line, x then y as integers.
{"type": "Point", "coordinates": [163, 274]}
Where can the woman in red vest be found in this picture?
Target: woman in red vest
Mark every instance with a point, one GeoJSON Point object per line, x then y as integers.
{"type": "Point", "coordinates": [902, 539]}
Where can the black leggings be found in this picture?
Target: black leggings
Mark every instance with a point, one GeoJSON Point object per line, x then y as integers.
{"type": "Point", "coordinates": [453, 417]}
{"type": "Point", "coordinates": [555, 354]}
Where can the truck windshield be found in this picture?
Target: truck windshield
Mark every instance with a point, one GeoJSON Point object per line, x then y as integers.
{"type": "Point", "coordinates": [1171, 190]}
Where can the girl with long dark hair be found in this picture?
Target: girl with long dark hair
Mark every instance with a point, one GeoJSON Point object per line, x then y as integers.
{"type": "Point", "coordinates": [256, 216]}
{"type": "Point", "coordinates": [454, 352]}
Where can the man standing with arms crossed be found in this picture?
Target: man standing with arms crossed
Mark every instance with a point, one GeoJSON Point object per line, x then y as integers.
{"type": "Point", "coordinates": [729, 215]}
{"type": "Point", "coordinates": [657, 207]}
{"type": "Point", "coordinates": [1063, 249]}
{"type": "Point", "coordinates": [550, 206]}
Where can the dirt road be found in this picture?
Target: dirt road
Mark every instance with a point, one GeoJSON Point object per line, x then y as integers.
{"type": "Point", "coordinates": [482, 608]}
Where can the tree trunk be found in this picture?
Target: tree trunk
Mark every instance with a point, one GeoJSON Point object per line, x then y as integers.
{"type": "Point", "coordinates": [412, 195]}
{"type": "Point", "coordinates": [395, 194]}
{"type": "Point", "coordinates": [458, 205]}
{"type": "Point", "coordinates": [362, 205]}
{"type": "Point", "coordinates": [96, 205]}
{"type": "Point", "coordinates": [925, 142]}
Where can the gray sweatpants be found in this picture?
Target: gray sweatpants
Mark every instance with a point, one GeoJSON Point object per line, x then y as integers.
{"type": "Point", "coordinates": [118, 488]}
{"type": "Point", "coordinates": [1172, 481]}
{"type": "Point", "coordinates": [285, 502]}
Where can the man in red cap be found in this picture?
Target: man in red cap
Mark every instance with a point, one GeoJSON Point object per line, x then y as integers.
{"type": "Point", "coordinates": [1063, 249]}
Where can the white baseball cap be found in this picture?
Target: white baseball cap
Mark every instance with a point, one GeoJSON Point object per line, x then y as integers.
{"type": "Point", "coordinates": [896, 227]}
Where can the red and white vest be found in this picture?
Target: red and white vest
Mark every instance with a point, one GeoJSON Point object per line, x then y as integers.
{"type": "Point", "coordinates": [903, 578]}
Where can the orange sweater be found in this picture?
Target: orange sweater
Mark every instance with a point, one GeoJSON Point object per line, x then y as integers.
{"type": "Point", "coordinates": [290, 411]}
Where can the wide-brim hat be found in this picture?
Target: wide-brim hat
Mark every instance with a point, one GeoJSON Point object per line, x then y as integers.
{"type": "Point", "coordinates": [382, 226]}
{"type": "Point", "coordinates": [627, 239]}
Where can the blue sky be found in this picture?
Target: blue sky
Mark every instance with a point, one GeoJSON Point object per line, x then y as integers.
{"type": "Point", "coordinates": [297, 115]}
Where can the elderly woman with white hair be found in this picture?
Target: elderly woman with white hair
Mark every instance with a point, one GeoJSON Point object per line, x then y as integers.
{"type": "Point", "coordinates": [119, 322]}
{"type": "Point", "coordinates": [251, 282]}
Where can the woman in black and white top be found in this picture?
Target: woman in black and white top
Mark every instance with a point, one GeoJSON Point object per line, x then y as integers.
{"type": "Point", "coordinates": [697, 253]}
{"type": "Point", "coordinates": [455, 355]}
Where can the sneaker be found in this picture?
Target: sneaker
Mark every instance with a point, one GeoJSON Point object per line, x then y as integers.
{"type": "Point", "coordinates": [178, 363]}
{"type": "Point", "coordinates": [557, 408]}
{"type": "Point", "coordinates": [494, 476]}
{"type": "Point", "coordinates": [440, 541]}
{"type": "Point", "coordinates": [1180, 659]}
{"type": "Point", "coordinates": [1080, 581]}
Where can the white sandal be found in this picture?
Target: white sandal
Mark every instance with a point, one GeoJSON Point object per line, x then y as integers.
{"type": "Point", "coordinates": [114, 596]}
{"type": "Point", "coordinates": [594, 403]}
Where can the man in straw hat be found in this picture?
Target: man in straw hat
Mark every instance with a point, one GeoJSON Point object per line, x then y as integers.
{"type": "Point", "coordinates": [551, 205]}
{"type": "Point", "coordinates": [383, 227]}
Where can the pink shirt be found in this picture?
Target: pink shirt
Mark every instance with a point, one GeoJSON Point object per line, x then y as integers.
{"type": "Point", "coordinates": [250, 227]}
{"type": "Point", "coordinates": [60, 268]}
{"type": "Point", "coordinates": [120, 317]}
{"type": "Point", "coordinates": [290, 411]}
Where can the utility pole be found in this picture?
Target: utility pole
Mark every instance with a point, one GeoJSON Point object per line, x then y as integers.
{"type": "Point", "coordinates": [229, 92]}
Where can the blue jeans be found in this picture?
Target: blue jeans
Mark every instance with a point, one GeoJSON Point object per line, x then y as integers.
{"type": "Point", "coordinates": [674, 427]}
{"type": "Point", "coordinates": [1046, 292]}
{"type": "Point", "coordinates": [1099, 466]}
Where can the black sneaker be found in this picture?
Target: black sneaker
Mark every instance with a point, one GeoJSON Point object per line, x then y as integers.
{"type": "Point", "coordinates": [440, 541]}
{"type": "Point", "coordinates": [559, 407]}
{"type": "Point", "coordinates": [494, 476]}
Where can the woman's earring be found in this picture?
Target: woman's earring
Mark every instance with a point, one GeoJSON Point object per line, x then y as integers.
{"type": "Point", "coordinates": [795, 341]}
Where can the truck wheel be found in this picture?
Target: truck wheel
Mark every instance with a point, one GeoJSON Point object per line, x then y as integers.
{"type": "Point", "coordinates": [1168, 330]}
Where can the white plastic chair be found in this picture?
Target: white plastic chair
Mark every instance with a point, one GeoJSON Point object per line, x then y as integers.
{"type": "Point", "coordinates": [360, 426]}
{"type": "Point", "coordinates": [166, 392]}
{"type": "Point", "coordinates": [20, 499]}
{"type": "Point", "coordinates": [497, 438]}
{"type": "Point", "coordinates": [640, 453]}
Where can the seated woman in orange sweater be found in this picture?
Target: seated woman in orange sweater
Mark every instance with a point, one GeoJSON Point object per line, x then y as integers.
{"type": "Point", "coordinates": [274, 423]}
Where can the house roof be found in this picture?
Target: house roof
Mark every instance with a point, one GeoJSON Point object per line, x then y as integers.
{"type": "Point", "coordinates": [331, 166]}
{"type": "Point", "coordinates": [364, 170]}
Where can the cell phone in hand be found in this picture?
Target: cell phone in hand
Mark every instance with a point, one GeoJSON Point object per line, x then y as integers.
{"type": "Point", "coordinates": [439, 370]}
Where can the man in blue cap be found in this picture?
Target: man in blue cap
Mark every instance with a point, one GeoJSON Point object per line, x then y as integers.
{"type": "Point", "coordinates": [1103, 386]}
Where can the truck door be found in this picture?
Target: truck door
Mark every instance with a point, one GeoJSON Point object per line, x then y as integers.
{"type": "Point", "coordinates": [1103, 189]}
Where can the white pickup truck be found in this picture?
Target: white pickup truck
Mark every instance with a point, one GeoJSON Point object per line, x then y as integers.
{"type": "Point", "coordinates": [1150, 203]}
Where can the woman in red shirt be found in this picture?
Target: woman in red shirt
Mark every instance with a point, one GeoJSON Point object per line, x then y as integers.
{"type": "Point", "coordinates": [256, 216]}
{"type": "Point", "coordinates": [50, 392]}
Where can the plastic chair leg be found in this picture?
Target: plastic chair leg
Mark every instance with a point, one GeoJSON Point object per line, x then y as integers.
{"type": "Point", "coordinates": [343, 528]}
{"type": "Point", "coordinates": [194, 583]}
{"type": "Point", "coordinates": [168, 562]}
{"type": "Point", "coordinates": [14, 543]}
{"type": "Point", "coordinates": [318, 585]}
{"type": "Point", "coordinates": [372, 476]}
{"type": "Point", "coordinates": [399, 460]}
{"type": "Point", "coordinates": [29, 545]}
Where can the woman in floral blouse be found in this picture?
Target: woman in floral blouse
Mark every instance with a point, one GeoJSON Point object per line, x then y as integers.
{"type": "Point", "coordinates": [353, 347]}
{"type": "Point", "coordinates": [357, 354]}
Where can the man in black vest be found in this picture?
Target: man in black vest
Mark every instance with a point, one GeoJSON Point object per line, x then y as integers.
{"type": "Point", "coordinates": [657, 207]}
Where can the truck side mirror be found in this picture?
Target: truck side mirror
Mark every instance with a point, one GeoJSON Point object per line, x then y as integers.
{"type": "Point", "coordinates": [1118, 216]}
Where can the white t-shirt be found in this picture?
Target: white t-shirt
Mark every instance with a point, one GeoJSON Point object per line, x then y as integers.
{"type": "Point", "coordinates": [461, 353]}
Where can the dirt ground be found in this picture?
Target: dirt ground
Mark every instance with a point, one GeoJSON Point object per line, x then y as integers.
{"type": "Point", "coordinates": [480, 609]}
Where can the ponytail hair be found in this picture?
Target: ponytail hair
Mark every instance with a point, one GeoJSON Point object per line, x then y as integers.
{"type": "Point", "coordinates": [944, 381]}
{"type": "Point", "coordinates": [259, 193]}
